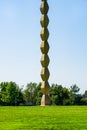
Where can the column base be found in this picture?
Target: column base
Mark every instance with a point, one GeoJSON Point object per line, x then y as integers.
{"type": "Point", "coordinates": [45, 101]}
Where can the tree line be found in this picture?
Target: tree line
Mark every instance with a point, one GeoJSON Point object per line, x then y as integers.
{"type": "Point", "coordinates": [13, 95]}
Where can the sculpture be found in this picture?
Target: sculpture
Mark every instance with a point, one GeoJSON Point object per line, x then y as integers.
{"type": "Point", "coordinates": [45, 87]}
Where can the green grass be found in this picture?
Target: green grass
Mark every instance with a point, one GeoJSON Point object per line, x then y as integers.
{"type": "Point", "coordinates": [43, 118]}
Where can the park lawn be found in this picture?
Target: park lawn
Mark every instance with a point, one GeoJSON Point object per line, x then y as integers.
{"type": "Point", "coordinates": [43, 118]}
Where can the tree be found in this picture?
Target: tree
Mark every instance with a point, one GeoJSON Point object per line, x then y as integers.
{"type": "Point", "coordinates": [74, 89]}
{"type": "Point", "coordinates": [59, 95]}
{"type": "Point", "coordinates": [74, 97]}
{"type": "Point", "coordinates": [66, 96]}
{"type": "Point", "coordinates": [33, 94]}
{"type": "Point", "coordinates": [3, 86]}
{"type": "Point", "coordinates": [84, 98]}
{"type": "Point", "coordinates": [85, 94]}
{"type": "Point", "coordinates": [10, 93]}
{"type": "Point", "coordinates": [29, 95]}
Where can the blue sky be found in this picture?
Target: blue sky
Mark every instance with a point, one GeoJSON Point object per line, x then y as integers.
{"type": "Point", "coordinates": [20, 42]}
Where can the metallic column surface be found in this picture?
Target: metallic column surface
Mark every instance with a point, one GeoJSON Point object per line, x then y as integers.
{"type": "Point", "coordinates": [45, 87]}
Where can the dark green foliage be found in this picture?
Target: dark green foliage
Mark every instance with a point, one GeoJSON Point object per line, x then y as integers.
{"type": "Point", "coordinates": [32, 94]}
{"type": "Point", "coordinates": [59, 95]}
{"type": "Point", "coordinates": [85, 94]}
{"type": "Point", "coordinates": [12, 94]}
{"type": "Point", "coordinates": [84, 98]}
{"type": "Point", "coordinates": [74, 89]}
{"type": "Point", "coordinates": [29, 95]}
{"type": "Point", "coordinates": [38, 94]}
{"type": "Point", "coordinates": [75, 98]}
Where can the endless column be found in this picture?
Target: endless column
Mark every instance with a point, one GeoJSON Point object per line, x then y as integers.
{"type": "Point", "coordinates": [45, 87]}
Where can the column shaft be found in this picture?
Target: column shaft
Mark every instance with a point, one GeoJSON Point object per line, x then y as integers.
{"type": "Point", "coordinates": [45, 87]}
